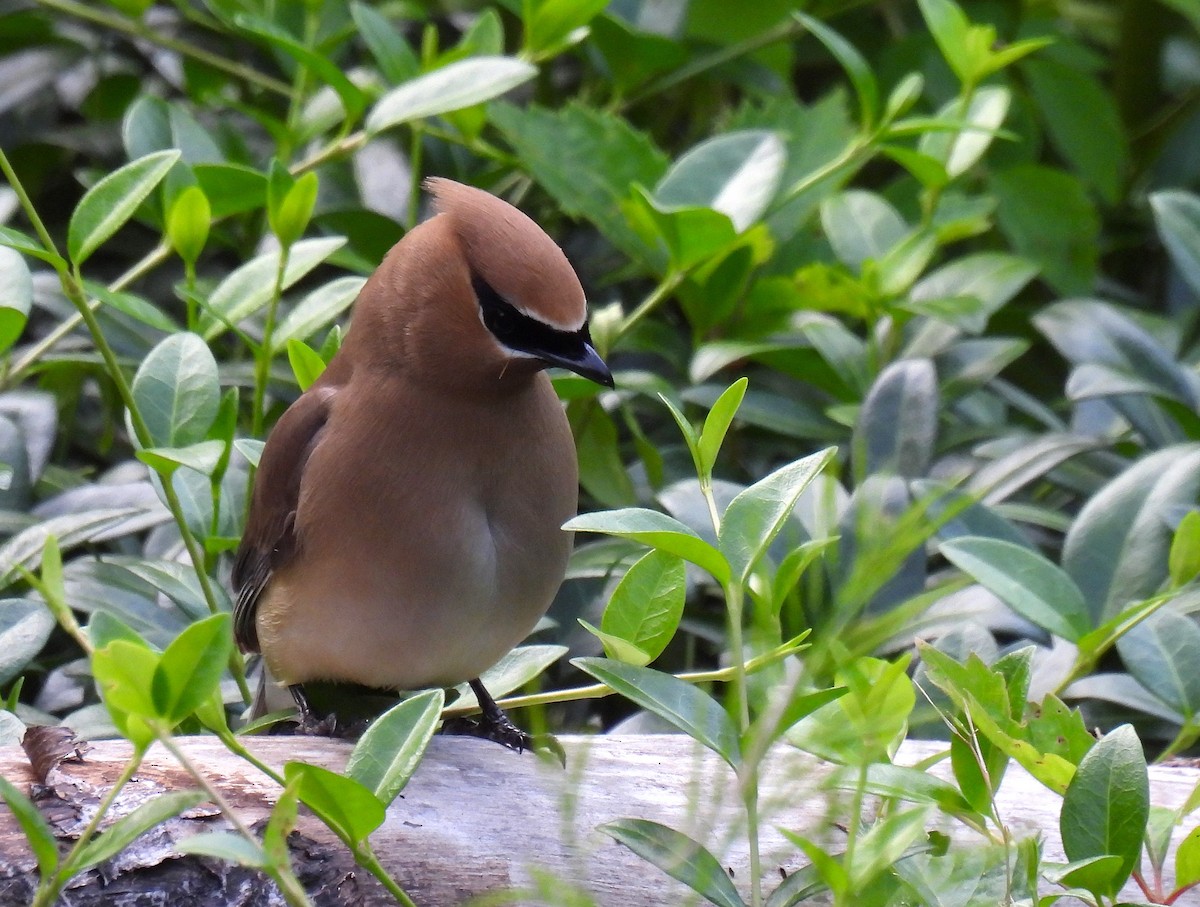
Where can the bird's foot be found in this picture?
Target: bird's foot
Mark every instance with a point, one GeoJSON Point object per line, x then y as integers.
{"type": "Point", "coordinates": [310, 724]}
{"type": "Point", "coordinates": [494, 725]}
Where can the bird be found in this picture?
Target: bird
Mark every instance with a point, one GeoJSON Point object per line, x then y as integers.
{"type": "Point", "coordinates": [404, 528]}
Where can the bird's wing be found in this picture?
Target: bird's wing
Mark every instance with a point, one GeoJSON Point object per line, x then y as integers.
{"type": "Point", "coordinates": [270, 538]}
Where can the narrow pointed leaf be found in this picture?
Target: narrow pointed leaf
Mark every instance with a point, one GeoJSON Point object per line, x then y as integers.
{"type": "Point", "coordinates": [388, 753]}
{"type": "Point", "coordinates": [678, 856]}
{"type": "Point", "coordinates": [112, 201]}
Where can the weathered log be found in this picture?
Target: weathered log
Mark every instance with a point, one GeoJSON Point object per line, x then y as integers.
{"type": "Point", "coordinates": [477, 818]}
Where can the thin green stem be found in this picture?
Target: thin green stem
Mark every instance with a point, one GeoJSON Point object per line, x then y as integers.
{"type": "Point", "coordinates": [66, 869]}
{"type": "Point", "coordinates": [600, 690]}
{"type": "Point", "coordinates": [663, 291]}
{"type": "Point", "coordinates": [415, 152]}
{"type": "Point", "coordinates": [72, 285]}
{"type": "Point", "coordinates": [262, 361]}
{"type": "Point", "coordinates": [143, 32]}
{"type": "Point", "coordinates": [235, 746]}
{"type": "Point", "coordinates": [368, 861]}
{"type": "Point", "coordinates": [853, 830]}
{"type": "Point", "coordinates": [293, 892]}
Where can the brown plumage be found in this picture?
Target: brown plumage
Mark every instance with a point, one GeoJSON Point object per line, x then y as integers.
{"type": "Point", "coordinates": [404, 526]}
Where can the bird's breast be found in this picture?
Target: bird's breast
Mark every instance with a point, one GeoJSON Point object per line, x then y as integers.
{"type": "Point", "coordinates": [429, 540]}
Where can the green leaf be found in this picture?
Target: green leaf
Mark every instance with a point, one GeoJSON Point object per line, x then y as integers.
{"type": "Point", "coordinates": [126, 829]}
{"type": "Point", "coordinates": [1117, 547]}
{"type": "Point", "coordinates": [342, 803]}
{"type": "Point", "coordinates": [16, 296]}
{"type": "Point", "coordinates": [658, 531]}
{"type": "Point", "coordinates": [897, 423]}
{"type": "Point", "coordinates": [25, 626]}
{"type": "Point", "coordinates": [396, 59]}
{"type": "Point", "coordinates": [307, 364]}
{"type": "Point", "coordinates": [37, 831]}
{"type": "Point", "coordinates": [853, 62]}
{"type": "Point", "coordinates": [736, 174]}
{"type": "Point", "coordinates": [231, 188]}
{"type": "Point", "coordinates": [290, 214]}
{"type": "Point", "coordinates": [556, 24]}
{"type": "Point", "coordinates": [1162, 653]}
{"type": "Point", "coordinates": [1177, 218]}
{"type": "Point", "coordinates": [617, 648]}
{"type": "Point", "coordinates": [1083, 123]}
{"type": "Point", "coordinates": [881, 847]}
{"type": "Point", "coordinates": [678, 856]}
{"type": "Point", "coordinates": [949, 27]}
{"type": "Point", "coordinates": [992, 278]}
{"type": "Point", "coordinates": [556, 146]}
{"type": "Point", "coordinates": [112, 201]}
{"type": "Point", "coordinates": [188, 221]}
{"type": "Point", "coordinates": [1184, 559]}
{"type": "Point", "coordinates": [177, 392]}
{"type": "Point", "coordinates": [1025, 581]}
{"type": "Point", "coordinates": [1106, 807]}
{"type": "Point", "coordinates": [464, 83]}
{"type": "Point", "coordinates": [124, 671]}
{"type": "Point", "coordinates": [202, 457]}
{"type": "Point", "coordinates": [647, 604]}
{"type": "Point", "coordinates": [686, 707]}
{"type": "Point", "coordinates": [716, 425]}
{"type": "Point", "coordinates": [689, 235]}
{"type": "Point", "coordinates": [1187, 860]}
{"type": "Point", "coordinates": [388, 753]}
{"type": "Point", "coordinates": [1049, 219]}
{"type": "Point", "coordinates": [224, 845]}
{"type": "Point", "coordinates": [191, 667]}
{"type": "Point", "coordinates": [133, 306]}
{"type": "Point", "coordinates": [317, 310]}
{"type": "Point", "coordinates": [249, 288]}
{"type": "Point", "coordinates": [759, 513]}
{"type": "Point", "coordinates": [960, 149]}
{"type": "Point", "coordinates": [11, 238]}
{"type": "Point", "coordinates": [511, 672]}
{"type": "Point", "coordinates": [861, 226]}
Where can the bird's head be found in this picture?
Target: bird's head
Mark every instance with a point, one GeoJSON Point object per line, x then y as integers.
{"type": "Point", "coordinates": [524, 292]}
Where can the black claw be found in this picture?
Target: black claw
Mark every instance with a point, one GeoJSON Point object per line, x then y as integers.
{"type": "Point", "coordinates": [494, 725]}
{"type": "Point", "coordinates": [310, 724]}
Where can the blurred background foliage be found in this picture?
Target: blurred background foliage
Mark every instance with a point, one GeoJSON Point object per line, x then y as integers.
{"type": "Point", "coordinates": [961, 244]}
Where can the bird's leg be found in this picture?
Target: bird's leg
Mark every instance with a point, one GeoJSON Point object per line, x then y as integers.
{"type": "Point", "coordinates": [495, 725]}
{"type": "Point", "coordinates": [312, 725]}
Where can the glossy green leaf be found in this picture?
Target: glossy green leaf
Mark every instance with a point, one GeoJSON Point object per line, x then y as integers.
{"type": "Point", "coordinates": [1183, 562]}
{"type": "Point", "coordinates": [112, 201]}
{"type": "Point", "coordinates": [1117, 548]}
{"type": "Point", "coordinates": [1106, 807]}
{"type": "Point", "coordinates": [249, 288]}
{"type": "Point", "coordinates": [224, 845]}
{"type": "Point", "coordinates": [1177, 217]}
{"type": "Point", "coordinates": [1162, 653]}
{"type": "Point", "coordinates": [396, 59]}
{"type": "Point", "coordinates": [897, 423]}
{"type": "Point", "coordinates": [14, 239]}
{"type": "Point", "coordinates": [857, 68]}
{"type": "Point", "coordinates": [25, 626]}
{"type": "Point", "coordinates": [290, 216]}
{"type": "Point", "coordinates": [126, 829]}
{"type": "Point", "coordinates": [757, 515]}
{"type": "Point", "coordinates": [685, 706]}
{"type": "Point", "coordinates": [386, 756]}
{"type": "Point", "coordinates": [344, 804]}
{"type": "Point", "coordinates": [1025, 581]}
{"type": "Point", "coordinates": [961, 149]}
{"type": "Point", "coordinates": [124, 671]}
{"type": "Point", "coordinates": [464, 83]}
{"type": "Point", "coordinates": [135, 307]}
{"type": "Point", "coordinates": [177, 392]}
{"type": "Point", "coordinates": [188, 221]}
{"type": "Point", "coordinates": [736, 174]}
{"type": "Point", "coordinates": [658, 531]}
{"type": "Point", "coordinates": [307, 364]}
{"type": "Point", "coordinates": [555, 24]}
{"type": "Point", "coordinates": [511, 672]}
{"type": "Point", "coordinates": [37, 832]}
{"type": "Point", "coordinates": [202, 457]}
{"type": "Point", "coordinates": [191, 667]}
{"type": "Point", "coordinates": [716, 425]}
{"type": "Point", "coordinates": [16, 296]}
{"type": "Point", "coordinates": [1187, 860]}
{"type": "Point", "coordinates": [317, 310]}
{"type": "Point", "coordinates": [861, 226]}
{"type": "Point", "coordinates": [647, 604]}
{"type": "Point", "coordinates": [616, 647]}
{"type": "Point", "coordinates": [678, 856]}
{"type": "Point", "coordinates": [884, 844]}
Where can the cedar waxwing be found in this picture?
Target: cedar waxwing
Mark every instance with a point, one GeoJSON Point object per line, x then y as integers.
{"type": "Point", "coordinates": [404, 529]}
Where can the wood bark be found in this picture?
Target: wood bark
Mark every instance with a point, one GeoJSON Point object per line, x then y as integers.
{"type": "Point", "coordinates": [477, 818]}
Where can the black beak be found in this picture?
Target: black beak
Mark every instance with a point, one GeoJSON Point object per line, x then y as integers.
{"type": "Point", "coordinates": [586, 363]}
